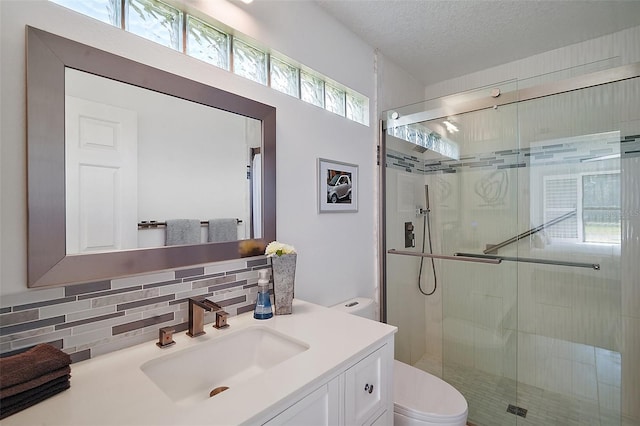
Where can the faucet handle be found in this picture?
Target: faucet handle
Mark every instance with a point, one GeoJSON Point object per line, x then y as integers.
{"type": "Point", "coordinates": [221, 319]}
{"type": "Point", "coordinates": [165, 337]}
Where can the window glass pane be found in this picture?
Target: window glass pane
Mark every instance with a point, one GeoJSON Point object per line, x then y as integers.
{"type": "Point", "coordinates": [601, 190]}
{"type": "Point", "coordinates": [162, 23]}
{"type": "Point", "coordinates": [334, 99]}
{"type": "Point", "coordinates": [207, 44]}
{"type": "Point", "coordinates": [284, 77]}
{"type": "Point", "coordinates": [155, 21]}
{"type": "Point", "coordinates": [249, 62]}
{"type": "Point", "coordinates": [357, 109]}
{"type": "Point", "coordinates": [107, 11]}
{"type": "Point", "coordinates": [311, 89]}
{"type": "Point", "coordinates": [601, 208]}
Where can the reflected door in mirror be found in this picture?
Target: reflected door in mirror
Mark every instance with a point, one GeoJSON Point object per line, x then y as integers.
{"type": "Point", "coordinates": [101, 176]}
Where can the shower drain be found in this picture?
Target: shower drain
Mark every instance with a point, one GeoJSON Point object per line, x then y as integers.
{"type": "Point", "coordinates": [518, 411]}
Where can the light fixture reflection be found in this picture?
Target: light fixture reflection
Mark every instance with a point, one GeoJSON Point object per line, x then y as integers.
{"type": "Point", "coordinates": [451, 128]}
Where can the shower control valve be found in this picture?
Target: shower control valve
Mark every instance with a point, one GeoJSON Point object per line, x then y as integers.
{"type": "Point", "coordinates": [409, 236]}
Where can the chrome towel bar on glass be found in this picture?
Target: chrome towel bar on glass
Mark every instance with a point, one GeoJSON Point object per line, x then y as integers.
{"type": "Point", "coordinates": [595, 266]}
{"type": "Point", "coordinates": [495, 260]}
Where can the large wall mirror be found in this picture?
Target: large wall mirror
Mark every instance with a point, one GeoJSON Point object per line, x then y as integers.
{"type": "Point", "coordinates": [125, 160]}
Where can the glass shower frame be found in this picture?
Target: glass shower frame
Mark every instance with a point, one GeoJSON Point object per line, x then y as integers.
{"type": "Point", "coordinates": [511, 95]}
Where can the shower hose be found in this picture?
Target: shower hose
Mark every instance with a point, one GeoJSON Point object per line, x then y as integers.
{"type": "Point", "coordinates": [427, 229]}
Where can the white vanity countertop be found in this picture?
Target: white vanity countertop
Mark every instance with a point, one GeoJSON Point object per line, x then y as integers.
{"type": "Point", "coordinates": [112, 389]}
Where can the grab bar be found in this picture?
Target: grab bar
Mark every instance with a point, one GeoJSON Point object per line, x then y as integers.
{"type": "Point", "coordinates": [595, 266]}
{"type": "Point", "coordinates": [493, 248]}
{"type": "Point", "coordinates": [493, 261]}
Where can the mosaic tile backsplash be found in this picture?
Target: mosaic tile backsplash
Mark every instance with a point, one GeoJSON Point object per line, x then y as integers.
{"type": "Point", "coordinates": [91, 319]}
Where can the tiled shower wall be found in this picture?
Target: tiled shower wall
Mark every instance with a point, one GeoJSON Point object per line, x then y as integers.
{"type": "Point", "coordinates": [554, 154]}
{"type": "Point", "coordinates": [91, 319]}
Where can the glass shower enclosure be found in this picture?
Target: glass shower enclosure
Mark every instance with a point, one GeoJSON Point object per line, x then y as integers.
{"type": "Point", "coordinates": [510, 248]}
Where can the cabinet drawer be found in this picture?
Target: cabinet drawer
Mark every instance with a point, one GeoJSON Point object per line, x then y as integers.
{"type": "Point", "coordinates": [366, 388]}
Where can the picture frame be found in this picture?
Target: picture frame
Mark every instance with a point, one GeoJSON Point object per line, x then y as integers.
{"type": "Point", "coordinates": [337, 187]}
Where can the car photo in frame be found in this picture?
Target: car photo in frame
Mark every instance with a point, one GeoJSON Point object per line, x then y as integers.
{"type": "Point", "coordinates": [337, 186]}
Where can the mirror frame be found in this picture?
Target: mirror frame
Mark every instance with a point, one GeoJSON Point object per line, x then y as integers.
{"type": "Point", "coordinates": [48, 263]}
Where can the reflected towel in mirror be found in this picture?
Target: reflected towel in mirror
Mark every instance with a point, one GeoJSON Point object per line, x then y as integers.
{"type": "Point", "coordinates": [221, 230]}
{"type": "Point", "coordinates": [183, 231]}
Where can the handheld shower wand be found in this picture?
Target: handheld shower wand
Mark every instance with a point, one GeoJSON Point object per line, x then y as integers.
{"type": "Point", "coordinates": [426, 197]}
{"type": "Point", "coordinates": [423, 211]}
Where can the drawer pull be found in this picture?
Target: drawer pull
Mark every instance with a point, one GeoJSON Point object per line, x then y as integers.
{"type": "Point", "coordinates": [368, 388]}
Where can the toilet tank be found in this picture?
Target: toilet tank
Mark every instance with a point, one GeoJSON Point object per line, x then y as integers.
{"type": "Point", "coordinates": [360, 306]}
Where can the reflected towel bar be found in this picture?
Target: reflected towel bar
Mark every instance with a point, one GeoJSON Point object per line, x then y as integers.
{"type": "Point", "coordinates": [150, 224]}
{"type": "Point", "coordinates": [595, 266]}
{"type": "Point", "coordinates": [493, 248]}
{"type": "Point", "coordinates": [490, 260]}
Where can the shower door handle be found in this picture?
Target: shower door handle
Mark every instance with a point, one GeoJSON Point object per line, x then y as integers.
{"type": "Point", "coordinates": [492, 261]}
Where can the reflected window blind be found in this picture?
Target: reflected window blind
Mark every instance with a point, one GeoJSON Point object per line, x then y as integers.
{"type": "Point", "coordinates": [561, 197]}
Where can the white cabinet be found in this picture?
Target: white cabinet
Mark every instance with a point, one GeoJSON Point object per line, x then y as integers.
{"type": "Point", "coordinates": [319, 408]}
{"type": "Point", "coordinates": [367, 388]}
{"type": "Point", "coordinates": [358, 394]}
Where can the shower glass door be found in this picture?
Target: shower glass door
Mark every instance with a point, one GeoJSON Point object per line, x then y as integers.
{"type": "Point", "coordinates": [460, 322]}
{"type": "Point", "coordinates": [545, 185]}
{"type": "Point", "coordinates": [569, 326]}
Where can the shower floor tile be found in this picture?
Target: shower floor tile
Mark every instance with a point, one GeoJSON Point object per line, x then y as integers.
{"type": "Point", "coordinates": [489, 395]}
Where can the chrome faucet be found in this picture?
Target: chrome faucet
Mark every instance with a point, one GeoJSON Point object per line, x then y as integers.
{"type": "Point", "coordinates": [197, 308]}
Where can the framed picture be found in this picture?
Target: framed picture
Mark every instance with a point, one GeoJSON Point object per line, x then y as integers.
{"type": "Point", "coordinates": [337, 187]}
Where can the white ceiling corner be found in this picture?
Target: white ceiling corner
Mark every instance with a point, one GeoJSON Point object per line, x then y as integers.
{"type": "Point", "coordinates": [435, 40]}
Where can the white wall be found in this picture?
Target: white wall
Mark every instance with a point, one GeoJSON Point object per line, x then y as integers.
{"type": "Point", "coordinates": [304, 132]}
{"type": "Point", "coordinates": [395, 86]}
{"type": "Point", "coordinates": [2, 136]}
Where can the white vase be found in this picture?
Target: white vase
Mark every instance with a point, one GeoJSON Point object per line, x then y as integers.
{"type": "Point", "coordinates": [284, 276]}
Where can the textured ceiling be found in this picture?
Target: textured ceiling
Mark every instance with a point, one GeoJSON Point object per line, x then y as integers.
{"type": "Point", "coordinates": [436, 40]}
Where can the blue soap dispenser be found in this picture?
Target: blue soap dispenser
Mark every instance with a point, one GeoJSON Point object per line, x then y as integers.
{"type": "Point", "coordinates": [263, 301]}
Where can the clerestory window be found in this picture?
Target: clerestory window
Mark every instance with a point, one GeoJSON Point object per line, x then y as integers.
{"type": "Point", "coordinates": [171, 27]}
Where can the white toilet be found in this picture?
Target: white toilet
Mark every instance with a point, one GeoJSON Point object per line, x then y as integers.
{"type": "Point", "coordinates": [419, 398]}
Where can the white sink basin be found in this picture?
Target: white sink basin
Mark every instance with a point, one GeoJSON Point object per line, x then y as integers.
{"type": "Point", "coordinates": [189, 375]}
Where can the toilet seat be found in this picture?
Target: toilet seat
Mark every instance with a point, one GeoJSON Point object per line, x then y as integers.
{"type": "Point", "coordinates": [422, 396]}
